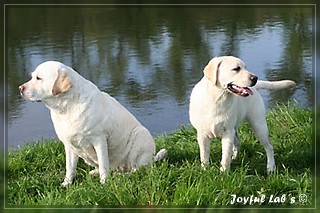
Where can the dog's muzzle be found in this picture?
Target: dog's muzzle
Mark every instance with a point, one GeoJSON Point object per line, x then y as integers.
{"type": "Point", "coordinates": [242, 91]}
{"type": "Point", "coordinates": [237, 90]}
{"type": "Point", "coordinates": [21, 89]}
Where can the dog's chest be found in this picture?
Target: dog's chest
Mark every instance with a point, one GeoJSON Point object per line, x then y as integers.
{"type": "Point", "coordinates": [220, 122]}
{"type": "Point", "coordinates": [220, 117]}
{"type": "Point", "coordinates": [76, 133]}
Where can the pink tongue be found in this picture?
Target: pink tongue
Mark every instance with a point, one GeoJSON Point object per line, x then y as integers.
{"type": "Point", "coordinates": [246, 90]}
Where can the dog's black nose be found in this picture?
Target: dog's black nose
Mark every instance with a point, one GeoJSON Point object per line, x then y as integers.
{"type": "Point", "coordinates": [253, 79]}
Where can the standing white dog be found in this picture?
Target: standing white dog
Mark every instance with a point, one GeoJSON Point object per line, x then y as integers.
{"type": "Point", "coordinates": [222, 100]}
{"type": "Point", "coordinates": [90, 123]}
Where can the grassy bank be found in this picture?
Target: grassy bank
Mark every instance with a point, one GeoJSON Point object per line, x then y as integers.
{"type": "Point", "coordinates": [35, 171]}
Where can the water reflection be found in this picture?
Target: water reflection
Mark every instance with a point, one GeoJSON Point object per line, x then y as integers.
{"type": "Point", "coordinates": [150, 58]}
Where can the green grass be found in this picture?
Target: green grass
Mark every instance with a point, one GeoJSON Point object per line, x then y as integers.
{"type": "Point", "coordinates": [34, 172]}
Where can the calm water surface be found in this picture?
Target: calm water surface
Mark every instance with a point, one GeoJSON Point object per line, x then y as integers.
{"type": "Point", "coordinates": [150, 58]}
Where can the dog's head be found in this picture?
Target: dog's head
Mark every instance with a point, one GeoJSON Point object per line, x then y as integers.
{"type": "Point", "coordinates": [229, 73]}
{"type": "Point", "coordinates": [48, 80]}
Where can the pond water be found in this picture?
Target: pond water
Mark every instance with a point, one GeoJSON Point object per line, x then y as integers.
{"type": "Point", "coordinates": [149, 58]}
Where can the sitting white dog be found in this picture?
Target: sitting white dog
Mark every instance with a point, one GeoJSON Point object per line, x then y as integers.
{"type": "Point", "coordinates": [90, 123]}
{"type": "Point", "coordinates": [225, 97]}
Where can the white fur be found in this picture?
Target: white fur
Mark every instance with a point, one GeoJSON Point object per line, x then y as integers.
{"type": "Point", "coordinates": [90, 123]}
{"type": "Point", "coordinates": [216, 112]}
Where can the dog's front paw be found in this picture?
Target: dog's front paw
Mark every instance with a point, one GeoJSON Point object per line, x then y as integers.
{"type": "Point", "coordinates": [271, 169]}
{"type": "Point", "coordinates": [102, 181]}
{"type": "Point", "coordinates": [224, 168]}
{"type": "Point", "coordinates": [94, 172]}
{"type": "Point", "coordinates": [66, 182]}
{"type": "Point", "coordinates": [234, 155]}
{"type": "Point", "coordinates": [103, 178]}
{"type": "Point", "coordinates": [204, 165]}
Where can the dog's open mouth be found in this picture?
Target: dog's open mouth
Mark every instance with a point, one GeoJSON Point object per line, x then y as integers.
{"type": "Point", "coordinates": [242, 91]}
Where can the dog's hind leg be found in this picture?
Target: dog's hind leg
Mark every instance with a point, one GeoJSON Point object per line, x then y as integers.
{"type": "Point", "coordinates": [236, 146]}
{"type": "Point", "coordinates": [258, 123]}
{"type": "Point", "coordinates": [261, 131]}
{"type": "Point", "coordinates": [143, 148]}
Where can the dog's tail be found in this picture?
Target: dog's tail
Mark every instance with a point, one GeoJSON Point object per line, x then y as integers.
{"type": "Point", "coordinates": [160, 155]}
{"type": "Point", "coordinates": [274, 85]}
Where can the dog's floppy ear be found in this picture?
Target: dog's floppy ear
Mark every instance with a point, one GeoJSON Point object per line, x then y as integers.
{"type": "Point", "coordinates": [62, 83]}
{"type": "Point", "coordinates": [211, 70]}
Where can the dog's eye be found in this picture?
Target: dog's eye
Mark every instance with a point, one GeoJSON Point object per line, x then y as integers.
{"type": "Point", "coordinates": [38, 78]}
{"type": "Point", "coordinates": [237, 69]}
